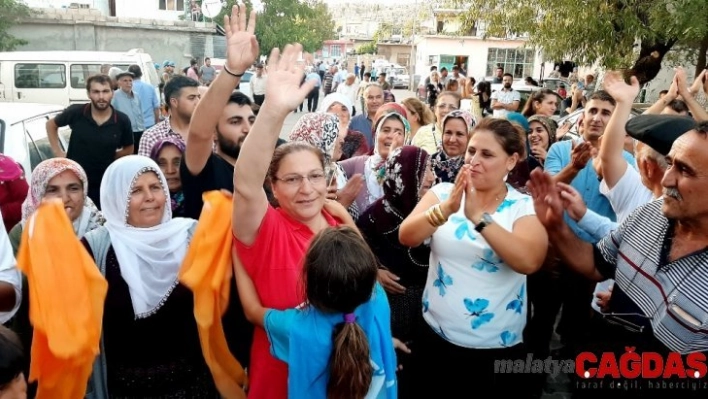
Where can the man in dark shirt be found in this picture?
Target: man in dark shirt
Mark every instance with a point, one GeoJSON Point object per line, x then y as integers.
{"type": "Point", "coordinates": [99, 133]}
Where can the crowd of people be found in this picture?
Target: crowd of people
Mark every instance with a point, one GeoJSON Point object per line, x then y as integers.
{"type": "Point", "coordinates": [401, 252]}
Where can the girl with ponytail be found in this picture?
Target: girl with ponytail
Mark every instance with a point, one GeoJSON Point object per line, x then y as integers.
{"type": "Point", "coordinates": [338, 344]}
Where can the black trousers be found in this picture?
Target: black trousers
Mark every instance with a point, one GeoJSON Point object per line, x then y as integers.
{"type": "Point", "coordinates": [444, 370]}
{"type": "Point", "coordinates": [312, 99]}
{"type": "Point", "coordinates": [136, 141]}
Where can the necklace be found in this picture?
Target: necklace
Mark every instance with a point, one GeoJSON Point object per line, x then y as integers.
{"type": "Point", "coordinates": [495, 199]}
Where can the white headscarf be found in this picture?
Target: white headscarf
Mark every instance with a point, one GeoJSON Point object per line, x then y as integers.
{"type": "Point", "coordinates": [149, 258]}
{"type": "Point", "coordinates": [335, 98]}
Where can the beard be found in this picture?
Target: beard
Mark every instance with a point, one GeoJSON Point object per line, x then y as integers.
{"type": "Point", "coordinates": [228, 146]}
{"type": "Point", "coordinates": [507, 85]}
{"type": "Point", "coordinates": [100, 106]}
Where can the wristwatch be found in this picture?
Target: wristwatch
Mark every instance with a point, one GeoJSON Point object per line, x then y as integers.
{"type": "Point", "coordinates": [484, 222]}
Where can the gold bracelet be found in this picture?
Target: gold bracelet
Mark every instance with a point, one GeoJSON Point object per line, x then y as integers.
{"type": "Point", "coordinates": [438, 211]}
{"type": "Point", "coordinates": [431, 218]}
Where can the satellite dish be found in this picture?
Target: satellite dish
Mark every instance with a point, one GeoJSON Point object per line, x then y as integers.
{"type": "Point", "coordinates": [212, 8]}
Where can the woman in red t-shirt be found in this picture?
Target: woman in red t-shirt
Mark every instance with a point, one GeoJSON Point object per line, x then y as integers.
{"type": "Point", "coordinates": [271, 242]}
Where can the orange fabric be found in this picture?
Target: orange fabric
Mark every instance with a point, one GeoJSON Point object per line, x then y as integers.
{"type": "Point", "coordinates": [207, 271]}
{"type": "Point", "coordinates": [67, 293]}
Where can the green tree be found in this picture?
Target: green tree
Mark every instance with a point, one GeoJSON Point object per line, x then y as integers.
{"type": "Point", "coordinates": [634, 35]}
{"type": "Point", "coordinates": [10, 12]}
{"type": "Point", "coordinates": [280, 22]}
{"type": "Point", "coordinates": [368, 48]}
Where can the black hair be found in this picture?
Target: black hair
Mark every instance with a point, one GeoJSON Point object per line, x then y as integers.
{"type": "Point", "coordinates": [239, 98]}
{"type": "Point", "coordinates": [135, 70]}
{"type": "Point", "coordinates": [173, 88]}
{"type": "Point", "coordinates": [602, 95]}
{"type": "Point", "coordinates": [12, 357]}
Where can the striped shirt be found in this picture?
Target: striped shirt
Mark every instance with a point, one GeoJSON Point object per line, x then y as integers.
{"type": "Point", "coordinates": [673, 295]}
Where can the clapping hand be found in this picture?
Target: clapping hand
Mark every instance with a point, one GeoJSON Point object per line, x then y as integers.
{"type": "Point", "coordinates": [546, 199]}
{"type": "Point", "coordinates": [241, 44]}
{"type": "Point", "coordinates": [283, 90]}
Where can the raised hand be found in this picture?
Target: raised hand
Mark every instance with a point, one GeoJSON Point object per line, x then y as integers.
{"type": "Point", "coordinates": [546, 200]}
{"type": "Point", "coordinates": [615, 85]}
{"type": "Point", "coordinates": [580, 155]}
{"type": "Point", "coordinates": [283, 90]}
{"type": "Point", "coordinates": [454, 201]}
{"type": "Point", "coordinates": [241, 44]}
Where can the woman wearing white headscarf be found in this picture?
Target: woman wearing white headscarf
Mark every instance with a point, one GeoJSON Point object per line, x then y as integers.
{"type": "Point", "coordinates": [150, 341]}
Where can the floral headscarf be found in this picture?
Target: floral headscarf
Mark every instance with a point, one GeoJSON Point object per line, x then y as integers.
{"type": "Point", "coordinates": [317, 129]}
{"type": "Point", "coordinates": [444, 166]}
{"type": "Point", "coordinates": [90, 218]}
{"type": "Point", "coordinates": [404, 172]}
{"type": "Point", "coordinates": [176, 199]}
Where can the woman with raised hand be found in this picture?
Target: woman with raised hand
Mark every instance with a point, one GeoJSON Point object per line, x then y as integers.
{"type": "Point", "coordinates": [270, 242]}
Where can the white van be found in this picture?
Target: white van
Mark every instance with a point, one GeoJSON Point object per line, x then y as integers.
{"type": "Point", "coordinates": [59, 77]}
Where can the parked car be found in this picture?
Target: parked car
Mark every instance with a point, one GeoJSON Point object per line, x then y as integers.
{"type": "Point", "coordinates": [23, 135]}
{"type": "Point", "coordinates": [554, 83]}
{"type": "Point", "coordinates": [574, 117]}
{"type": "Point", "coordinates": [244, 86]}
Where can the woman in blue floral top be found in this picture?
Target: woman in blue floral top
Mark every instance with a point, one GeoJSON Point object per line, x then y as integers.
{"type": "Point", "coordinates": [484, 240]}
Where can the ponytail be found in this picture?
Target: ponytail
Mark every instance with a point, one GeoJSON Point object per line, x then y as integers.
{"type": "Point", "coordinates": [350, 365]}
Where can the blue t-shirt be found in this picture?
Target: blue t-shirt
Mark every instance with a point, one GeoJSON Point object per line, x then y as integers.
{"type": "Point", "coordinates": [303, 339]}
{"type": "Point", "coordinates": [361, 123]}
{"type": "Point", "coordinates": [586, 182]}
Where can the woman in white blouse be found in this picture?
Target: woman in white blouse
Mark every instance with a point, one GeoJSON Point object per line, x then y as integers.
{"type": "Point", "coordinates": [485, 239]}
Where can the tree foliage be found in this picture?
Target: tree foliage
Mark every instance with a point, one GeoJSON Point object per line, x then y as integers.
{"type": "Point", "coordinates": [281, 22]}
{"type": "Point", "coordinates": [611, 33]}
{"type": "Point", "coordinates": [10, 12]}
{"type": "Point", "coordinates": [368, 48]}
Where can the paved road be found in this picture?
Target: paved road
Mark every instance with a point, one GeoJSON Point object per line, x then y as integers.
{"type": "Point", "coordinates": [294, 116]}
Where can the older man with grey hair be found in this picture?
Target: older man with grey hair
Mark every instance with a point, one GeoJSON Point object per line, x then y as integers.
{"type": "Point", "coordinates": [349, 89]}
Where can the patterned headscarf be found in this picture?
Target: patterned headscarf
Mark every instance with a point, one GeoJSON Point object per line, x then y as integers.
{"type": "Point", "coordinates": [445, 167]}
{"type": "Point", "coordinates": [550, 126]}
{"type": "Point", "coordinates": [176, 199]}
{"type": "Point", "coordinates": [404, 172]}
{"type": "Point", "coordinates": [317, 129]}
{"type": "Point", "coordinates": [155, 152]}
{"type": "Point", "coordinates": [90, 218]}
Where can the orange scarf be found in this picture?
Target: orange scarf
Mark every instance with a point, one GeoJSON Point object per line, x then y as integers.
{"type": "Point", "coordinates": [67, 293]}
{"type": "Point", "coordinates": [207, 271]}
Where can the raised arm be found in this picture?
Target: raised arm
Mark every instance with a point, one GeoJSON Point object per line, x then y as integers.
{"type": "Point", "coordinates": [283, 94]}
{"type": "Point", "coordinates": [697, 110]}
{"type": "Point", "coordinates": [241, 51]}
{"type": "Point", "coordinates": [612, 144]}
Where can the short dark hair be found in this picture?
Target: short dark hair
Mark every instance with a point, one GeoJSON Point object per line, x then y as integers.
{"type": "Point", "coordinates": [443, 69]}
{"type": "Point", "coordinates": [508, 74]}
{"type": "Point", "coordinates": [239, 98]}
{"type": "Point", "coordinates": [433, 68]}
{"type": "Point", "coordinates": [193, 61]}
{"type": "Point", "coordinates": [678, 106]}
{"type": "Point", "coordinates": [455, 68]}
{"type": "Point", "coordinates": [602, 95]}
{"type": "Point", "coordinates": [12, 357]}
{"type": "Point", "coordinates": [383, 74]}
{"type": "Point", "coordinates": [100, 78]}
{"type": "Point", "coordinates": [206, 59]}
{"type": "Point", "coordinates": [367, 74]}
{"type": "Point", "coordinates": [173, 88]}
{"type": "Point", "coordinates": [135, 70]}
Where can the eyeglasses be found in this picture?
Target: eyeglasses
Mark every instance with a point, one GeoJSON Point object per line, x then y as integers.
{"type": "Point", "coordinates": [297, 180]}
{"type": "Point", "coordinates": [448, 106]}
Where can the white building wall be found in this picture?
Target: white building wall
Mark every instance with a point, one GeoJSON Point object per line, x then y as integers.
{"type": "Point", "coordinates": [148, 9]}
{"type": "Point", "coordinates": [475, 48]}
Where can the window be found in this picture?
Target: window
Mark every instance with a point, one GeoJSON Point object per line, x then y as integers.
{"type": "Point", "coordinates": [172, 5]}
{"type": "Point", "coordinates": [80, 74]}
{"type": "Point", "coordinates": [40, 76]}
{"type": "Point", "coordinates": [518, 62]}
{"type": "Point", "coordinates": [335, 50]}
{"type": "Point", "coordinates": [38, 146]}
